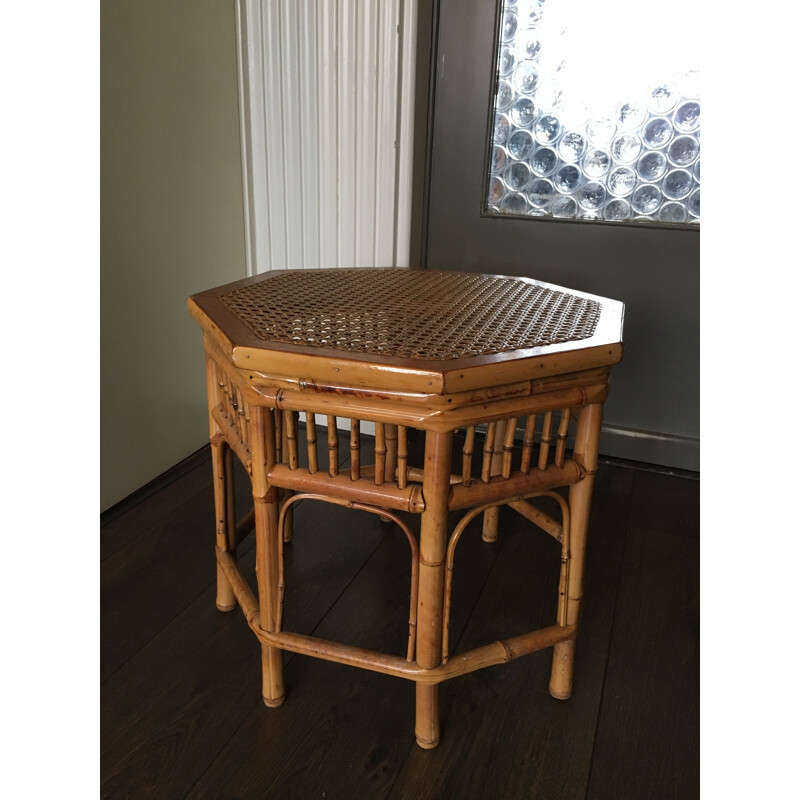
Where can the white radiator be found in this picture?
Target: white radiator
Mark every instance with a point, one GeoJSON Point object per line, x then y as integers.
{"type": "Point", "coordinates": [326, 93]}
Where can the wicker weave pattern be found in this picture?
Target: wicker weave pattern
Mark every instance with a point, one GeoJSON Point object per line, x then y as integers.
{"type": "Point", "coordinates": [410, 314]}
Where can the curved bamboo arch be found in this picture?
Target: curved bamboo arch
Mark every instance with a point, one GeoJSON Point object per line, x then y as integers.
{"type": "Point", "coordinates": [382, 512]}
{"type": "Point", "coordinates": [563, 581]}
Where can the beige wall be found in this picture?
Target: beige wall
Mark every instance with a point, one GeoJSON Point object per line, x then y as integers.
{"type": "Point", "coordinates": [172, 223]}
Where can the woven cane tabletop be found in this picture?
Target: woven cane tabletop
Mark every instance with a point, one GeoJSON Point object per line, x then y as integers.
{"type": "Point", "coordinates": [412, 314]}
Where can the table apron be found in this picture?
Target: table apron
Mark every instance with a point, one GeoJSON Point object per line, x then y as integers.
{"type": "Point", "coordinates": [437, 420]}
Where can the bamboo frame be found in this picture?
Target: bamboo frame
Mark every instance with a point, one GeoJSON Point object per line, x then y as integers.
{"type": "Point", "coordinates": [498, 652]}
{"type": "Point", "coordinates": [255, 393]}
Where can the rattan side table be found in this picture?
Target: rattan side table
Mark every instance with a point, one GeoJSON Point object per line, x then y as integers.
{"type": "Point", "coordinates": [510, 362]}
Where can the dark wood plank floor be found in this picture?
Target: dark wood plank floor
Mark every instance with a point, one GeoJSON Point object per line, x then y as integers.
{"type": "Point", "coordinates": [181, 710]}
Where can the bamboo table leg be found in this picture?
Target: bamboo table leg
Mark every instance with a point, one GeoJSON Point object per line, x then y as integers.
{"type": "Point", "coordinates": [222, 467]}
{"type": "Point", "coordinates": [433, 545]}
{"type": "Point", "coordinates": [265, 500]}
{"type": "Point", "coordinates": [587, 441]}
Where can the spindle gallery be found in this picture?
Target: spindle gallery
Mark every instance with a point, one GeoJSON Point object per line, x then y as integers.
{"type": "Point", "coordinates": [520, 368]}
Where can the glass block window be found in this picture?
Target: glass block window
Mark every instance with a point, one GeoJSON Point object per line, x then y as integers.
{"type": "Point", "coordinates": [596, 112]}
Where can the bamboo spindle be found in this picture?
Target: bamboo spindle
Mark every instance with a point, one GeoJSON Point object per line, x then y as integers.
{"type": "Point", "coordinates": [527, 444]}
{"type": "Point", "coordinates": [279, 438]}
{"type": "Point", "coordinates": [333, 447]}
{"type": "Point", "coordinates": [288, 452]}
{"type": "Point", "coordinates": [380, 453]}
{"type": "Point", "coordinates": [244, 419]}
{"type": "Point", "coordinates": [486, 465]}
{"type": "Point", "coordinates": [508, 447]}
{"type": "Point", "coordinates": [355, 449]}
{"type": "Point", "coordinates": [491, 517]}
{"type": "Point", "coordinates": [230, 500]}
{"type": "Point", "coordinates": [311, 442]}
{"type": "Point", "coordinates": [391, 452]}
{"type": "Point", "coordinates": [580, 495]}
{"type": "Point", "coordinates": [544, 444]}
{"type": "Point", "coordinates": [561, 441]}
{"type": "Point", "coordinates": [433, 544]}
{"type": "Point", "coordinates": [226, 599]}
{"type": "Point", "coordinates": [265, 500]}
{"type": "Point", "coordinates": [402, 457]}
{"type": "Point", "coordinates": [466, 455]}
{"type": "Point", "coordinates": [290, 435]}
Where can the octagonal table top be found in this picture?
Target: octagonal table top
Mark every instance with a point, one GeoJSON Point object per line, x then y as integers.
{"type": "Point", "coordinates": [421, 330]}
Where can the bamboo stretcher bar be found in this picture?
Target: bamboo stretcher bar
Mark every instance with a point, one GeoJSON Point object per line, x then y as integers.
{"type": "Point", "coordinates": [244, 527]}
{"type": "Point", "coordinates": [416, 474]}
{"type": "Point", "coordinates": [538, 518]}
{"type": "Point", "coordinates": [500, 489]}
{"type": "Point", "coordinates": [362, 490]}
{"type": "Point", "coordinates": [497, 652]}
